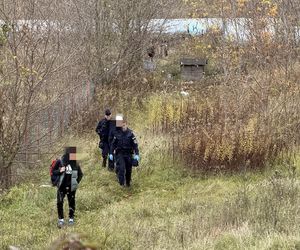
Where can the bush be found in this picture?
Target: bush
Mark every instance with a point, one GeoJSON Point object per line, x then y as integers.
{"type": "Point", "coordinates": [237, 122]}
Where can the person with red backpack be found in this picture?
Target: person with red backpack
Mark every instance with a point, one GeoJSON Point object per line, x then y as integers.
{"type": "Point", "coordinates": [70, 175]}
{"type": "Point", "coordinates": [54, 171]}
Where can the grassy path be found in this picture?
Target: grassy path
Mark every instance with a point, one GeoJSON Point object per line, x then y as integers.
{"type": "Point", "coordinates": [166, 208]}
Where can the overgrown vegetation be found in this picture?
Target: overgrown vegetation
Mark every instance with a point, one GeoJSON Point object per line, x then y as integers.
{"type": "Point", "coordinates": [245, 119]}
{"type": "Point", "coordinates": [241, 118]}
{"type": "Point", "coordinates": [166, 208]}
{"type": "Point", "coordinates": [245, 113]}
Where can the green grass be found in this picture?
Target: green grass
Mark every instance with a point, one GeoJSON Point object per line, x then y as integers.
{"type": "Point", "coordinates": [167, 207]}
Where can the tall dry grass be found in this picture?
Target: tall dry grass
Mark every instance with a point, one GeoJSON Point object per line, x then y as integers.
{"type": "Point", "coordinates": [242, 120]}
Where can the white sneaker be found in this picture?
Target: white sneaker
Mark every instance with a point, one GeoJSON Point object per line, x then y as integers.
{"type": "Point", "coordinates": [71, 222]}
{"type": "Point", "coordinates": [60, 223]}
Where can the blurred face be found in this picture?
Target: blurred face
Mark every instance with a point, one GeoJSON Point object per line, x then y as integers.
{"type": "Point", "coordinates": [108, 117]}
{"type": "Point", "coordinates": [119, 123]}
{"type": "Point", "coordinates": [72, 156]}
{"type": "Point", "coordinates": [124, 126]}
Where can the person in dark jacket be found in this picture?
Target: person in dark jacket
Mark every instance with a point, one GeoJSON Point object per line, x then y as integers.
{"type": "Point", "coordinates": [70, 175]}
{"type": "Point", "coordinates": [103, 129]}
{"type": "Point", "coordinates": [124, 145]}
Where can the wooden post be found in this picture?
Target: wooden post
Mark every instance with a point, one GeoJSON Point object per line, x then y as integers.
{"type": "Point", "coordinates": [60, 120]}
{"type": "Point", "coordinates": [63, 116]}
{"type": "Point", "coordinates": [50, 117]}
{"type": "Point", "coordinates": [88, 88]}
{"type": "Point", "coordinates": [72, 103]}
{"type": "Point", "coordinates": [26, 146]}
{"type": "Point", "coordinates": [38, 139]}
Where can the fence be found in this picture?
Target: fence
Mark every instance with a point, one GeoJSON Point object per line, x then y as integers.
{"type": "Point", "coordinates": [51, 122]}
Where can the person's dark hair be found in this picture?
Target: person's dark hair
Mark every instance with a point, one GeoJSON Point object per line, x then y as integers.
{"type": "Point", "coordinates": [70, 150]}
{"type": "Point", "coordinates": [107, 112]}
{"type": "Point", "coordinates": [66, 155]}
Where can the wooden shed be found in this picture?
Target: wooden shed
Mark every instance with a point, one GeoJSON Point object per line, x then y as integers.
{"type": "Point", "coordinates": [192, 69]}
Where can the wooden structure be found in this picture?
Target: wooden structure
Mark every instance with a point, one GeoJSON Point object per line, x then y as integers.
{"type": "Point", "coordinates": [192, 69]}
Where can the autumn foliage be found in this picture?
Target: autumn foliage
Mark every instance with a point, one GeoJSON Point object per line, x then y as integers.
{"type": "Point", "coordinates": [245, 113]}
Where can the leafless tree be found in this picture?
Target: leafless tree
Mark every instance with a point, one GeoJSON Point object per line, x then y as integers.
{"type": "Point", "coordinates": [118, 34]}
{"type": "Point", "coordinates": [34, 55]}
{"type": "Point", "coordinates": [50, 50]}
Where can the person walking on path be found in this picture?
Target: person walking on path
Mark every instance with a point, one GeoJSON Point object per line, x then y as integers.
{"type": "Point", "coordinates": [70, 175]}
{"type": "Point", "coordinates": [103, 129]}
{"type": "Point", "coordinates": [125, 148]}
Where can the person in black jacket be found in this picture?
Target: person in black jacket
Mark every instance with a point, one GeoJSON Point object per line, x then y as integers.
{"type": "Point", "coordinates": [103, 129]}
{"type": "Point", "coordinates": [70, 175]}
{"type": "Point", "coordinates": [124, 145]}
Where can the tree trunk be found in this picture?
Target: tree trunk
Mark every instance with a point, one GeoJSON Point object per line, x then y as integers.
{"type": "Point", "coordinates": [6, 176]}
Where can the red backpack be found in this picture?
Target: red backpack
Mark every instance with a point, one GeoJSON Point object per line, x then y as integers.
{"type": "Point", "coordinates": [54, 166]}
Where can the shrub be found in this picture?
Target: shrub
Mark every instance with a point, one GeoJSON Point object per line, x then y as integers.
{"type": "Point", "coordinates": [240, 121]}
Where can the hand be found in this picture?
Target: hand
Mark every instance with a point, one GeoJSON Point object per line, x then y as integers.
{"type": "Point", "coordinates": [111, 157]}
{"type": "Point", "coordinates": [62, 169]}
{"type": "Point", "coordinates": [136, 157]}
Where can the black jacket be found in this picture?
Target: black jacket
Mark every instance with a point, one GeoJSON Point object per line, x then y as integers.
{"type": "Point", "coordinates": [66, 181]}
{"type": "Point", "coordinates": [103, 130]}
{"type": "Point", "coordinates": [124, 142]}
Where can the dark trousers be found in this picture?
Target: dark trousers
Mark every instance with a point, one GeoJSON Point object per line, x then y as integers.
{"type": "Point", "coordinates": [60, 203]}
{"type": "Point", "coordinates": [104, 146]}
{"type": "Point", "coordinates": [124, 168]}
